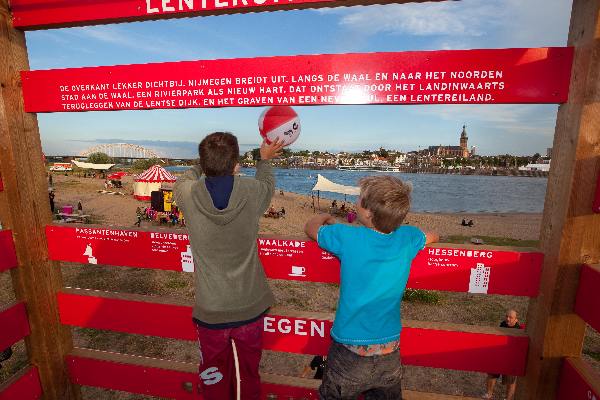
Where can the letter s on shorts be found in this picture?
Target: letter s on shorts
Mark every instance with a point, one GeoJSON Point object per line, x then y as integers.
{"type": "Point", "coordinates": [211, 375]}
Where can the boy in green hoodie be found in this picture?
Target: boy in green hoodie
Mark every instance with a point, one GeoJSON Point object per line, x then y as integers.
{"type": "Point", "coordinates": [222, 214]}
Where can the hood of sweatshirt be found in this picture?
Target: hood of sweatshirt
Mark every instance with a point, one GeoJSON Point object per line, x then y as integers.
{"type": "Point", "coordinates": [204, 203]}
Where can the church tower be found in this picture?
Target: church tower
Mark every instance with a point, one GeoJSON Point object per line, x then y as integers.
{"type": "Point", "coordinates": [464, 142]}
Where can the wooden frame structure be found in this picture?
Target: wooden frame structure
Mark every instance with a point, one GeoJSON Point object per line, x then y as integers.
{"type": "Point", "coordinates": [549, 359]}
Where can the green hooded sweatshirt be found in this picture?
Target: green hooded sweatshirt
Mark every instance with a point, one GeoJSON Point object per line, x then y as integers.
{"type": "Point", "coordinates": [230, 282]}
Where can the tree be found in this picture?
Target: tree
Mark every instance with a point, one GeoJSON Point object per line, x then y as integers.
{"type": "Point", "coordinates": [99, 158]}
{"type": "Point", "coordinates": [145, 163]}
{"type": "Point", "coordinates": [256, 154]}
{"type": "Point", "coordinates": [383, 153]}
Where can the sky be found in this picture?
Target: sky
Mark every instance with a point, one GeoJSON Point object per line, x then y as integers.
{"type": "Point", "coordinates": [468, 24]}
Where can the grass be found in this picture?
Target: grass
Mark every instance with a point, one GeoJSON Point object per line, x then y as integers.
{"type": "Point", "coordinates": [422, 296]}
{"type": "Point", "coordinates": [491, 240]}
{"type": "Point", "coordinates": [593, 354]}
{"type": "Point", "coordinates": [176, 284]}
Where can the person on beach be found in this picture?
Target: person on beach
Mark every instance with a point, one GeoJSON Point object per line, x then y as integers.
{"type": "Point", "coordinates": [510, 321]}
{"type": "Point", "coordinates": [222, 212]}
{"type": "Point", "coordinates": [51, 198]}
{"type": "Point", "coordinates": [317, 364]}
{"type": "Point", "coordinates": [375, 263]}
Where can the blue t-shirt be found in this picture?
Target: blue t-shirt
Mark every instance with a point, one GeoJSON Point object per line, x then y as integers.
{"type": "Point", "coordinates": [374, 272]}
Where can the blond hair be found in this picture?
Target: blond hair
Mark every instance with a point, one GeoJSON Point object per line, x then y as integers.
{"type": "Point", "coordinates": [388, 200]}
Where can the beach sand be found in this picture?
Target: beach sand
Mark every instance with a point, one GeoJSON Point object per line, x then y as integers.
{"type": "Point", "coordinates": [119, 211]}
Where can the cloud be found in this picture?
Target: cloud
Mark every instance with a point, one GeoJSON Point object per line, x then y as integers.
{"type": "Point", "coordinates": [510, 118]}
{"type": "Point", "coordinates": [130, 39]}
{"type": "Point", "coordinates": [468, 23]}
{"type": "Point", "coordinates": [467, 18]}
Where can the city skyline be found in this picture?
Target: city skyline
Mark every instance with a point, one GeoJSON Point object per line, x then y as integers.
{"type": "Point", "coordinates": [518, 129]}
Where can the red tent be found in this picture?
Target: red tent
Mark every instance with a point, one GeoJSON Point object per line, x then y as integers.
{"type": "Point", "coordinates": [151, 180]}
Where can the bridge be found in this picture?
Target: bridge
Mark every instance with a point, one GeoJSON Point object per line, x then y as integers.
{"type": "Point", "coordinates": [121, 150]}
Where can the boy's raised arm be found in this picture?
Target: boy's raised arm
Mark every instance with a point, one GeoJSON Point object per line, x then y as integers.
{"type": "Point", "coordinates": [312, 226]}
{"type": "Point", "coordinates": [192, 174]}
{"type": "Point", "coordinates": [264, 173]}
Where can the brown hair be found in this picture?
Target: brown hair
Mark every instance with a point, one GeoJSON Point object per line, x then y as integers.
{"type": "Point", "coordinates": [219, 154]}
{"type": "Point", "coordinates": [388, 200]}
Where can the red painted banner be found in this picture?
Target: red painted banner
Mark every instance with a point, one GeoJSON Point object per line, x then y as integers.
{"type": "Point", "coordinates": [457, 269]}
{"type": "Point", "coordinates": [163, 378]}
{"type": "Point", "coordinates": [578, 381]}
{"type": "Point", "coordinates": [587, 302]}
{"type": "Point", "coordinates": [8, 257]}
{"type": "Point", "coordinates": [23, 386]}
{"type": "Point", "coordinates": [538, 75]}
{"type": "Point", "coordinates": [37, 14]}
{"type": "Point", "coordinates": [439, 346]}
{"type": "Point", "coordinates": [596, 204]}
{"type": "Point", "coordinates": [14, 323]}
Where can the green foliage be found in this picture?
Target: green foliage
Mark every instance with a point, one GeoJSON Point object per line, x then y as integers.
{"type": "Point", "coordinates": [422, 296]}
{"type": "Point", "coordinates": [594, 354]}
{"type": "Point", "coordinates": [144, 164]}
{"type": "Point", "coordinates": [492, 240]}
{"type": "Point", "coordinates": [99, 158]}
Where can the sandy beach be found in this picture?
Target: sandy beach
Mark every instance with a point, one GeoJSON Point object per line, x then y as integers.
{"type": "Point", "coordinates": [119, 210]}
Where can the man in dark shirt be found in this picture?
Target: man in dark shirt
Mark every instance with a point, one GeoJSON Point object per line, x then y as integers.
{"type": "Point", "coordinates": [510, 321]}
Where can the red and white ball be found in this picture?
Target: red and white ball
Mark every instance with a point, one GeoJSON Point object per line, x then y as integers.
{"type": "Point", "coordinates": [279, 122]}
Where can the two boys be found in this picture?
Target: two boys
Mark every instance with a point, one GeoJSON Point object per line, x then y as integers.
{"type": "Point", "coordinates": [232, 294]}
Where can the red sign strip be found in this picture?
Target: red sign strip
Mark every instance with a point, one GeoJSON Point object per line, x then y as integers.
{"type": "Point", "coordinates": [162, 378]}
{"type": "Point", "coordinates": [456, 269]}
{"type": "Point", "coordinates": [578, 381]}
{"type": "Point", "coordinates": [14, 323]}
{"type": "Point", "coordinates": [8, 257]}
{"type": "Point", "coordinates": [489, 350]}
{"type": "Point", "coordinates": [596, 204]}
{"type": "Point", "coordinates": [38, 14]}
{"type": "Point", "coordinates": [587, 302]}
{"type": "Point", "coordinates": [23, 386]}
{"type": "Point", "coordinates": [539, 75]}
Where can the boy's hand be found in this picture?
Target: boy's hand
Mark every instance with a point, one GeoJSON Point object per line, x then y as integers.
{"type": "Point", "coordinates": [312, 226]}
{"type": "Point", "coordinates": [270, 151]}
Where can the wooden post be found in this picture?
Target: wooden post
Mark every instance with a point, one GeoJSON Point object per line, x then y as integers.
{"type": "Point", "coordinates": [24, 208]}
{"type": "Point", "coordinates": [570, 232]}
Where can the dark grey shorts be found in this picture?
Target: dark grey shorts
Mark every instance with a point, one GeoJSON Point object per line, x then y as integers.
{"type": "Point", "coordinates": [348, 375]}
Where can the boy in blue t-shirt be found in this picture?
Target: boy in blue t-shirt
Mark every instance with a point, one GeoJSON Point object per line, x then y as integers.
{"type": "Point", "coordinates": [375, 262]}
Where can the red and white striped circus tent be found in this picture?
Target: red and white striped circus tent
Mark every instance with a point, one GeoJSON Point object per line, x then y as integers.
{"type": "Point", "coordinates": [151, 180]}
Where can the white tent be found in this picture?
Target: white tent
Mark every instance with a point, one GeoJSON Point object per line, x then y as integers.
{"type": "Point", "coordinates": [325, 185]}
{"type": "Point", "coordinates": [151, 180]}
{"type": "Point", "coordinates": [100, 167]}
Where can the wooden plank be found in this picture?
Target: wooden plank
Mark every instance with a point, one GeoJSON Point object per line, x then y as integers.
{"type": "Point", "coordinates": [587, 303]}
{"type": "Point", "coordinates": [39, 14]}
{"type": "Point", "coordinates": [15, 327]}
{"type": "Point", "coordinates": [167, 378]}
{"type": "Point", "coordinates": [25, 385]}
{"type": "Point", "coordinates": [8, 258]}
{"type": "Point", "coordinates": [570, 232]}
{"type": "Point", "coordinates": [504, 270]}
{"type": "Point", "coordinates": [578, 380]}
{"type": "Point", "coordinates": [24, 209]}
{"type": "Point", "coordinates": [596, 204]}
{"type": "Point", "coordinates": [539, 75]}
{"type": "Point", "coordinates": [437, 345]}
